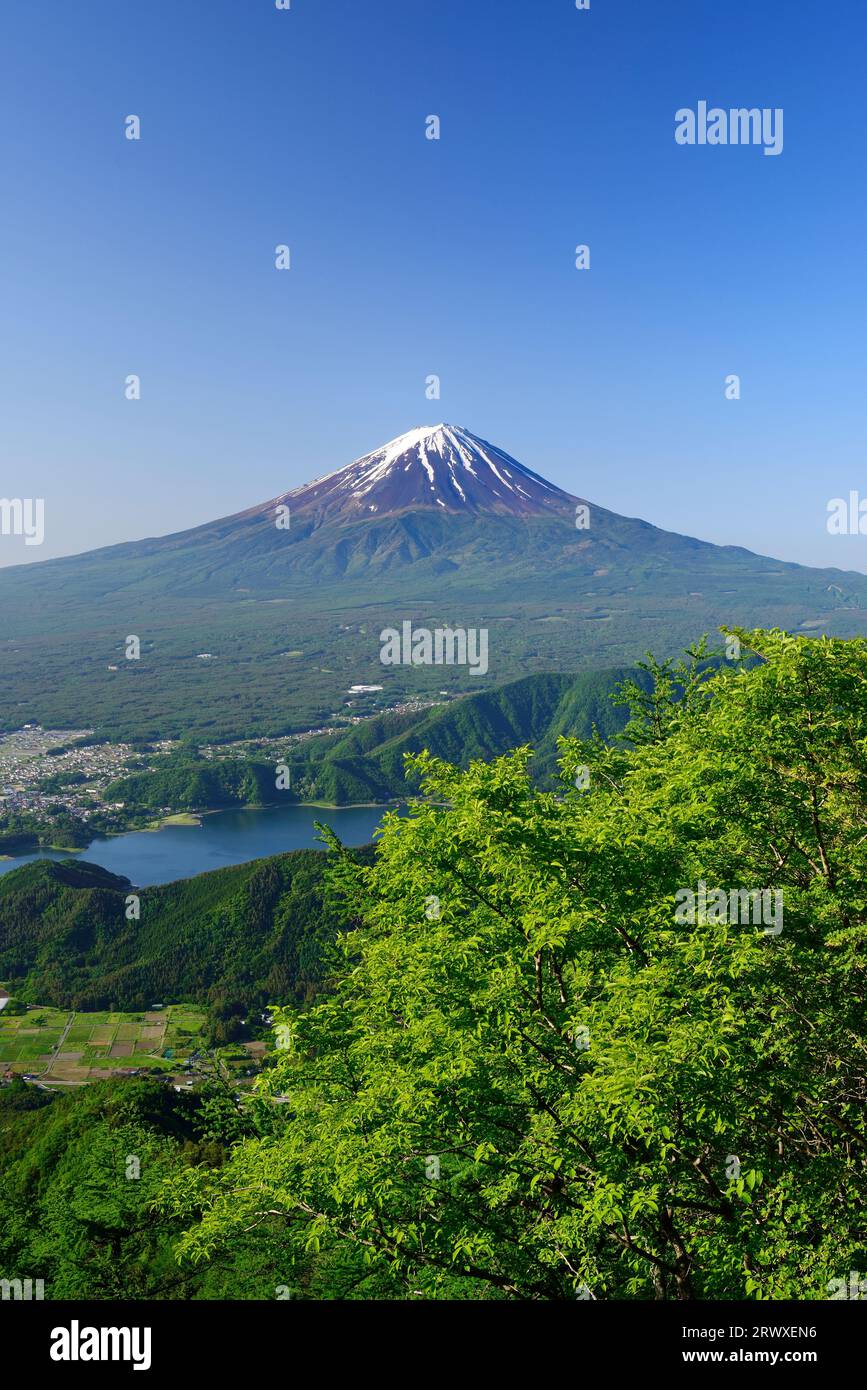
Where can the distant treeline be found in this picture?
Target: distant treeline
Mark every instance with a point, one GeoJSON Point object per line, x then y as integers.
{"type": "Point", "coordinates": [201, 783]}
{"type": "Point", "coordinates": [21, 831]}
{"type": "Point", "coordinates": [366, 762]}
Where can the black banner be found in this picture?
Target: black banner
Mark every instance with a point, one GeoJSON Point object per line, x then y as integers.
{"type": "Point", "coordinates": [158, 1339]}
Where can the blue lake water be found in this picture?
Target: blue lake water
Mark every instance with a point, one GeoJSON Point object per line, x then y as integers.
{"type": "Point", "coordinates": [146, 857]}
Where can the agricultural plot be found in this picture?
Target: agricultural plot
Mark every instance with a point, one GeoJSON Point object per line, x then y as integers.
{"type": "Point", "coordinates": [27, 1041]}
{"type": "Point", "coordinates": [72, 1048]}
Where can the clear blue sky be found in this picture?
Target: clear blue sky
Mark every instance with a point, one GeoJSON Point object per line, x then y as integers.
{"type": "Point", "coordinates": [412, 257]}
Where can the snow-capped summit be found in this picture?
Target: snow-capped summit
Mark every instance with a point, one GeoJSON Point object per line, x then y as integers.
{"type": "Point", "coordinates": [436, 466]}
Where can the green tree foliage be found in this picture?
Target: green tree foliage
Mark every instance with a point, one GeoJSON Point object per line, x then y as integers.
{"type": "Point", "coordinates": [79, 1182]}
{"type": "Point", "coordinates": [532, 1079]}
{"type": "Point", "coordinates": [17, 1095]}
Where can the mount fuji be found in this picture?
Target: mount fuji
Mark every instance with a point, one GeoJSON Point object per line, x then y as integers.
{"type": "Point", "coordinates": [438, 466]}
{"type": "Point", "coordinates": [261, 621]}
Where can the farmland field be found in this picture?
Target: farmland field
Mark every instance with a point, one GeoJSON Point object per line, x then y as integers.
{"type": "Point", "coordinates": [71, 1048]}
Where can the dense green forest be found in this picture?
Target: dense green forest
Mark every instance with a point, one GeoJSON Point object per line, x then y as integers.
{"type": "Point", "coordinates": [80, 1177]}
{"type": "Point", "coordinates": [526, 1072]}
{"type": "Point", "coordinates": [255, 932]}
{"type": "Point", "coordinates": [188, 784]}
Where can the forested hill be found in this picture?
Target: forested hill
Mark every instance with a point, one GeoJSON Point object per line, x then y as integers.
{"type": "Point", "coordinates": [258, 932]}
{"type": "Point", "coordinates": [535, 710]}
{"type": "Point", "coordinates": [366, 763]}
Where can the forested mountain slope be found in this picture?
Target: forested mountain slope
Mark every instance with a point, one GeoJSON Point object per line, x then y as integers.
{"type": "Point", "coordinates": [257, 932]}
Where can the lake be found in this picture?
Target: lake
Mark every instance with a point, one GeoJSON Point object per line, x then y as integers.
{"type": "Point", "coordinates": [146, 857]}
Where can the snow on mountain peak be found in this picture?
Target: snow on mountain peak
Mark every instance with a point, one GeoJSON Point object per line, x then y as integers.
{"type": "Point", "coordinates": [432, 466]}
